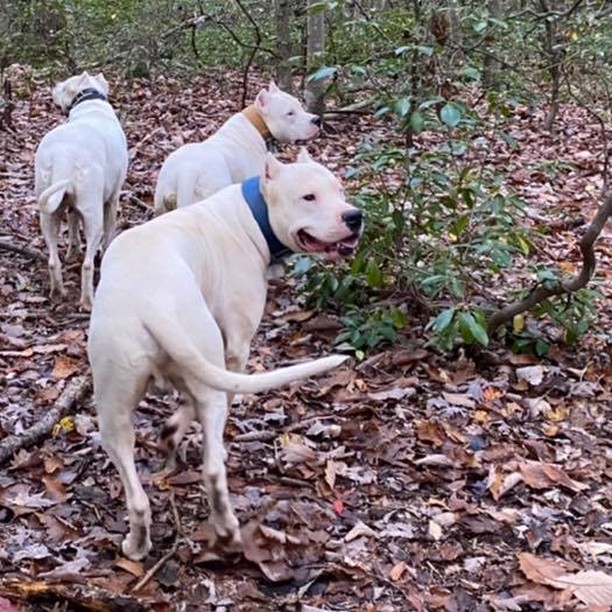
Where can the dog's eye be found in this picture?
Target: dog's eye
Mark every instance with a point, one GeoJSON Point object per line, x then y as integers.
{"type": "Point", "coordinates": [309, 197]}
{"type": "Point", "coordinates": [290, 113]}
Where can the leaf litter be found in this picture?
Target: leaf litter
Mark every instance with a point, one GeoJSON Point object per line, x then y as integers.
{"type": "Point", "coordinates": [412, 481]}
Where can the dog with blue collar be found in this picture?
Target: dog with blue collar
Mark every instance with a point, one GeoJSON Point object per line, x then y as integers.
{"type": "Point", "coordinates": [180, 299]}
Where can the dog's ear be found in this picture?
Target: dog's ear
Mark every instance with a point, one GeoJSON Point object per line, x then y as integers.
{"type": "Point", "coordinates": [303, 156]}
{"type": "Point", "coordinates": [272, 168]}
{"type": "Point", "coordinates": [261, 101]}
{"type": "Point", "coordinates": [272, 88]}
{"type": "Point", "coordinates": [102, 82]}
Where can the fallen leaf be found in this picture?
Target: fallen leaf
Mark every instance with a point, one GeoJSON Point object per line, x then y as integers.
{"type": "Point", "coordinates": [590, 587]}
{"type": "Point", "coordinates": [397, 571]}
{"type": "Point", "coordinates": [330, 474]}
{"type": "Point", "coordinates": [534, 375]}
{"type": "Point", "coordinates": [360, 529]}
{"type": "Point", "coordinates": [65, 367]}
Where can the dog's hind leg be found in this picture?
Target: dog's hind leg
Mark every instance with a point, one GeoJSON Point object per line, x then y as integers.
{"type": "Point", "coordinates": [116, 391]}
{"type": "Point", "coordinates": [174, 430]}
{"type": "Point", "coordinates": [74, 242]}
{"type": "Point", "coordinates": [93, 226]}
{"type": "Point", "coordinates": [49, 224]}
{"type": "Point", "coordinates": [110, 219]}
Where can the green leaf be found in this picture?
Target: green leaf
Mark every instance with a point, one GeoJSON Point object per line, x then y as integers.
{"type": "Point", "coordinates": [450, 115]}
{"type": "Point", "coordinates": [443, 320]}
{"type": "Point", "coordinates": [425, 50]}
{"type": "Point", "coordinates": [402, 107]}
{"type": "Point", "coordinates": [476, 329]}
{"type": "Point", "coordinates": [383, 110]}
{"type": "Point", "coordinates": [373, 274]}
{"type": "Point", "coordinates": [417, 122]}
{"type": "Point", "coordinates": [323, 72]}
{"type": "Point", "coordinates": [459, 225]}
{"type": "Point", "coordinates": [471, 73]}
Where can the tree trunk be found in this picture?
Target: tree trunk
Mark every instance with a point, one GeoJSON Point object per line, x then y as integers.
{"type": "Point", "coordinates": [315, 90]}
{"type": "Point", "coordinates": [284, 11]}
{"type": "Point", "coordinates": [491, 63]}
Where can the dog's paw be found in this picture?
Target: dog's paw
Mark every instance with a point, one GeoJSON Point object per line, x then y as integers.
{"type": "Point", "coordinates": [136, 546]}
{"type": "Point", "coordinates": [85, 304]}
{"type": "Point", "coordinates": [227, 532]}
{"type": "Point", "coordinates": [57, 294]}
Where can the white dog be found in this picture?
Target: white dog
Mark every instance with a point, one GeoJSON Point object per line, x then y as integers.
{"type": "Point", "coordinates": [235, 152]}
{"type": "Point", "coordinates": [180, 299]}
{"type": "Point", "coordinates": [80, 167]}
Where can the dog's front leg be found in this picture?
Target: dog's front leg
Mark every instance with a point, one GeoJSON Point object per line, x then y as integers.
{"type": "Point", "coordinates": [212, 412]}
{"type": "Point", "coordinates": [49, 224]}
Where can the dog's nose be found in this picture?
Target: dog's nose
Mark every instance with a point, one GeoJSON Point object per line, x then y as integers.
{"type": "Point", "coordinates": [316, 121]}
{"type": "Point", "coordinates": [353, 219]}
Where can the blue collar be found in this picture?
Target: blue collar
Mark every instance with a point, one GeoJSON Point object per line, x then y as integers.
{"type": "Point", "coordinates": [255, 201]}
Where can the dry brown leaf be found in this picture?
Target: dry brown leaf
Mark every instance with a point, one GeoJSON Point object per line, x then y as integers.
{"type": "Point", "coordinates": [397, 571]}
{"type": "Point", "coordinates": [541, 475]}
{"type": "Point", "coordinates": [539, 570]}
{"type": "Point", "coordinates": [459, 399]}
{"type": "Point", "coordinates": [360, 529]}
{"type": "Point", "coordinates": [330, 474]}
{"type": "Point", "coordinates": [500, 482]}
{"type": "Point", "coordinates": [591, 587]}
{"type": "Point", "coordinates": [65, 367]}
{"type": "Point", "coordinates": [136, 568]}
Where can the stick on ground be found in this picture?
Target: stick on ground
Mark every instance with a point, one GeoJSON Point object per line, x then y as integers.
{"type": "Point", "coordinates": [14, 248]}
{"type": "Point", "coordinates": [74, 392]}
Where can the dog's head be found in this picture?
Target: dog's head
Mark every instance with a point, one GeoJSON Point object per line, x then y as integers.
{"type": "Point", "coordinates": [284, 115]}
{"type": "Point", "coordinates": [308, 208]}
{"type": "Point", "coordinates": [66, 91]}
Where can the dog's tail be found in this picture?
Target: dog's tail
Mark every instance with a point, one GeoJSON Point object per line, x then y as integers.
{"type": "Point", "coordinates": [52, 196]}
{"type": "Point", "coordinates": [178, 345]}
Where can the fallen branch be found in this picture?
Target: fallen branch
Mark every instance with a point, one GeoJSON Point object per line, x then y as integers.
{"type": "Point", "coordinates": [32, 253]}
{"type": "Point", "coordinates": [74, 392]}
{"type": "Point", "coordinates": [84, 597]}
{"type": "Point", "coordinates": [541, 292]}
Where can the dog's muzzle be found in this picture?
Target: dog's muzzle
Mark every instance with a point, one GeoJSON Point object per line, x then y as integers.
{"type": "Point", "coordinates": [353, 219]}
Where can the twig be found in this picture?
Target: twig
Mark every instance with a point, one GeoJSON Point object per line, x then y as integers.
{"type": "Point", "coordinates": [255, 436]}
{"type": "Point", "coordinates": [74, 393]}
{"type": "Point", "coordinates": [247, 67]}
{"type": "Point", "coordinates": [541, 293]}
{"type": "Point", "coordinates": [161, 562]}
{"type": "Point", "coordinates": [14, 248]}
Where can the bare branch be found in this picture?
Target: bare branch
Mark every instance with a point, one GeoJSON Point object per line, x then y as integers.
{"type": "Point", "coordinates": [541, 293]}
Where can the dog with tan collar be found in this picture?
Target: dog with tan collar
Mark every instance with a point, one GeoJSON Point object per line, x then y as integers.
{"type": "Point", "coordinates": [235, 152]}
{"type": "Point", "coordinates": [180, 299]}
{"type": "Point", "coordinates": [80, 167]}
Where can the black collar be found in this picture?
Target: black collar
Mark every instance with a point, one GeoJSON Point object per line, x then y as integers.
{"type": "Point", "coordinates": [89, 93]}
{"type": "Point", "coordinates": [252, 195]}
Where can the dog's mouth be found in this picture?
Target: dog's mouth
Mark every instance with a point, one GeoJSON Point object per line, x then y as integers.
{"type": "Point", "coordinates": [342, 248]}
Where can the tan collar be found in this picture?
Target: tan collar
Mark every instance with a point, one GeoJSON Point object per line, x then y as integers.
{"type": "Point", "coordinates": [253, 115]}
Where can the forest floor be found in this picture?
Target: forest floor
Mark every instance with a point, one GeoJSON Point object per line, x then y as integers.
{"type": "Point", "coordinates": [414, 480]}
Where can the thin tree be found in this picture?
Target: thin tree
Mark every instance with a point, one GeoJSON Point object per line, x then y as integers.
{"type": "Point", "coordinates": [315, 47]}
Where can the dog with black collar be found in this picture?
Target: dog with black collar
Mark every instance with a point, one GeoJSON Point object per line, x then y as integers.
{"type": "Point", "coordinates": [80, 167]}
{"type": "Point", "coordinates": [180, 299]}
{"type": "Point", "coordinates": [235, 152]}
